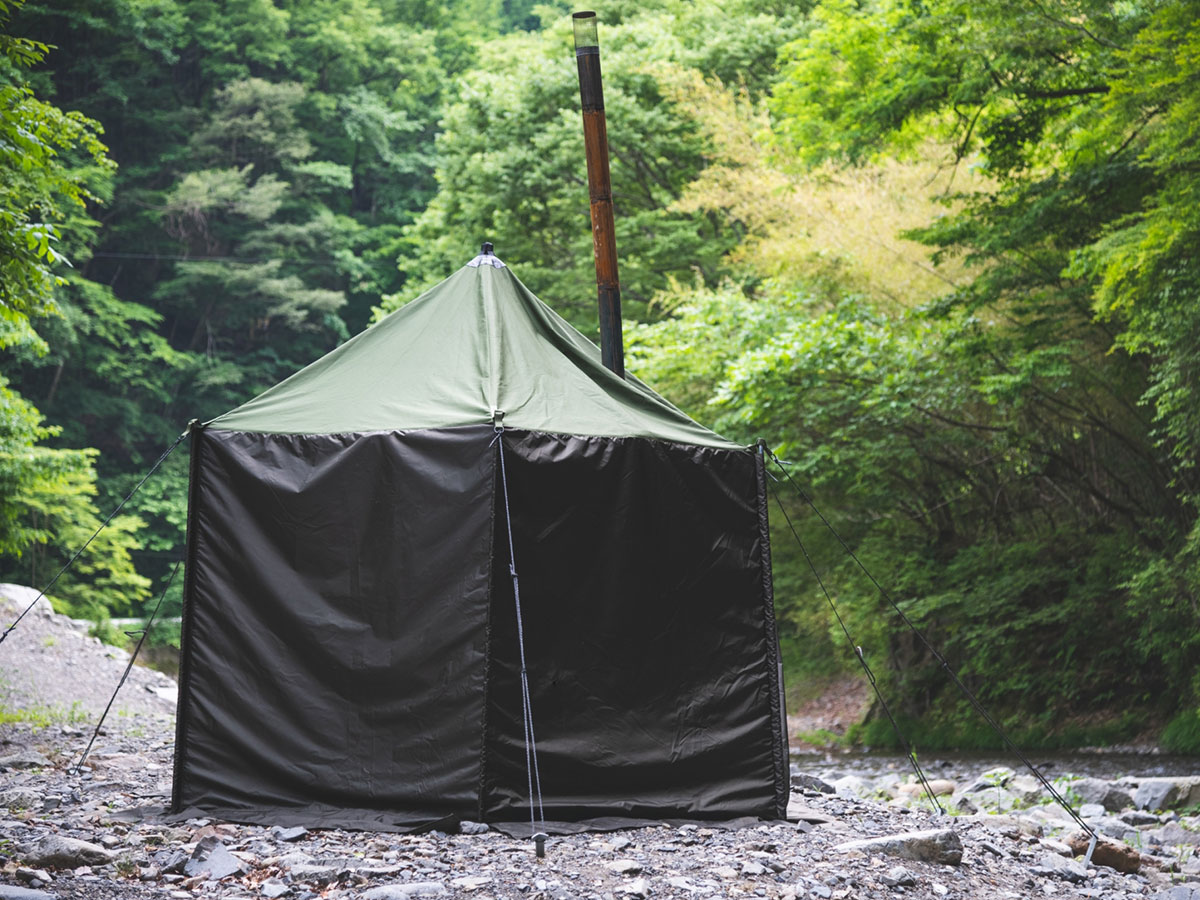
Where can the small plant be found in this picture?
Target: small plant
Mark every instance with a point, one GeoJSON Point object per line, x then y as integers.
{"type": "Point", "coordinates": [822, 737]}
{"type": "Point", "coordinates": [39, 717]}
{"type": "Point", "coordinates": [108, 633]}
{"type": "Point", "coordinates": [126, 867]}
{"type": "Point", "coordinates": [49, 640]}
{"type": "Point", "coordinates": [997, 780]}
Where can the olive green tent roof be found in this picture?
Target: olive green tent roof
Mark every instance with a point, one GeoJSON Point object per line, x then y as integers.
{"type": "Point", "coordinates": [476, 344]}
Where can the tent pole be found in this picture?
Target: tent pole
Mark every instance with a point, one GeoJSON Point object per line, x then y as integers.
{"type": "Point", "coordinates": [604, 237]}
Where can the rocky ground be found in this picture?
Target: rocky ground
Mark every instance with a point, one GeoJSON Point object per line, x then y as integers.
{"type": "Point", "coordinates": [88, 835]}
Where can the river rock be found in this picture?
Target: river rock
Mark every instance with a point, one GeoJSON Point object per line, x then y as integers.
{"type": "Point", "coordinates": [33, 877]}
{"type": "Point", "coordinates": [1175, 834]}
{"type": "Point", "coordinates": [898, 877]}
{"type": "Point", "coordinates": [961, 804]}
{"type": "Point", "coordinates": [20, 798]}
{"type": "Point", "coordinates": [992, 778]}
{"type": "Point", "coordinates": [1026, 789]}
{"type": "Point", "coordinates": [1121, 857]}
{"type": "Point", "coordinates": [639, 887]}
{"type": "Point", "coordinates": [1179, 892]}
{"type": "Point", "coordinates": [12, 892]}
{"type": "Point", "coordinates": [852, 786]}
{"type": "Point", "coordinates": [1167, 793]}
{"type": "Point", "coordinates": [1056, 847]}
{"type": "Point", "coordinates": [1137, 817]}
{"type": "Point", "coordinates": [1096, 790]}
{"type": "Point", "coordinates": [405, 891]}
{"type": "Point", "coordinates": [1002, 824]}
{"type": "Point", "coordinates": [812, 783]}
{"type": "Point", "coordinates": [998, 800]}
{"type": "Point", "coordinates": [25, 759]}
{"type": "Point", "coordinates": [57, 852]}
{"type": "Point", "coordinates": [624, 866]}
{"type": "Point", "coordinates": [472, 882]}
{"type": "Point", "coordinates": [936, 845]}
{"type": "Point", "coordinates": [211, 857]}
{"type": "Point", "coordinates": [941, 787]}
{"type": "Point", "coordinates": [1051, 864]}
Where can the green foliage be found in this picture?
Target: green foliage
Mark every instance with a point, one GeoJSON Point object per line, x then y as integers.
{"type": "Point", "coordinates": [1182, 734]}
{"type": "Point", "coordinates": [938, 255]}
{"type": "Point", "coordinates": [108, 633]}
{"type": "Point", "coordinates": [511, 166]}
{"type": "Point", "coordinates": [41, 717]}
{"type": "Point", "coordinates": [1041, 419]}
{"type": "Point", "coordinates": [956, 474]}
{"type": "Point", "coordinates": [39, 181]}
{"type": "Point", "coordinates": [46, 495]}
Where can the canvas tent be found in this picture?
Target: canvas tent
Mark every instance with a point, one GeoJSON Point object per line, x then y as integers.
{"type": "Point", "coordinates": [350, 652]}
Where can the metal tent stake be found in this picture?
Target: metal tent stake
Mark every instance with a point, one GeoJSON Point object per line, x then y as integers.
{"type": "Point", "coordinates": [604, 236]}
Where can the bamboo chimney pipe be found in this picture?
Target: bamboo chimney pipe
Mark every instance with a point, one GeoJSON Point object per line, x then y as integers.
{"type": "Point", "coordinates": [604, 238]}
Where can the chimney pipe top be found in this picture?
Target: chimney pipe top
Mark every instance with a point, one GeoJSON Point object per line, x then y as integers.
{"type": "Point", "coordinates": [486, 257]}
{"type": "Point", "coordinates": [587, 40]}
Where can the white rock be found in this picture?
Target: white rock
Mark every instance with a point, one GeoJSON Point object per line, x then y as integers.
{"type": "Point", "coordinates": [936, 845]}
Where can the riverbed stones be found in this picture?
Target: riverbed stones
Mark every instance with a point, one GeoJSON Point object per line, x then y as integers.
{"type": "Point", "coordinates": [1136, 817]}
{"type": "Point", "coordinates": [1095, 790]}
{"type": "Point", "coordinates": [405, 891]}
{"type": "Point", "coordinates": [14, 892]}
{"type": "Point", "coordinates": [58, 852]}
{"type": "Point", "coordinates": [212, 859]}
{"type": "Point", "coordinates": [941, 845]}
{"type": "Point", "coordinates": [288, 835]}
{"type": "Point", "coordinates": [941, 787]}
{"type": "Point", "coordinates": [1060, 867]}
{"type": "Point", "coordinates": [1177, 834]}
{"type": "Point", "coordinates": [624, 866]}
{"type": "Point", "coordinates": [808, 782]}
{"type": "Point", "coordinates": [1167, 793]}
{"type": "Point", "coordinates": [1179, 892]}
{"type": "Point", "coordinates": [898, 876]}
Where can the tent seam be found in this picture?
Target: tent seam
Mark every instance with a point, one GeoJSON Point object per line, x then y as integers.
{"type": "Point", "coordinates": [187, 614]}
{"type": "Point", "coordinates": [487, 649]}
{"type": "Point", "coordinates": [775, 672]}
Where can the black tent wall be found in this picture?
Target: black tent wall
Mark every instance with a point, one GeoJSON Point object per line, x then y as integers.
{"type": "Point", "coordinates": [349, 652]}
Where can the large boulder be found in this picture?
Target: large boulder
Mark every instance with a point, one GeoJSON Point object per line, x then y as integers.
{"type": "Point", "coordinates": [1115, 855]}
{"type": "Point", "coordinates": [1095, 790]}
{"type": "Point", "coordinates": [936, 845]}
{"type": "Point", "coordinates": [1168, 793]}
{"type": "Point", "coordinates": [57, 852]}
{"type": "Point", "coordinates": [1051, 864]}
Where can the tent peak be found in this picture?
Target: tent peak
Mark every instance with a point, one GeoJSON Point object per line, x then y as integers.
{"type": "Point", "coordinates": [486, 257]}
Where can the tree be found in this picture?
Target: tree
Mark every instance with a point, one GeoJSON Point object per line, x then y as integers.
{"type": "Point", "coordinates": [50, 163]}
{"type": "Point", "coordinates": [1074, 333]}
{"type": "Point", "coordinates": [511, 162]}
{"type": "Point", "coordinates": [40, 182]}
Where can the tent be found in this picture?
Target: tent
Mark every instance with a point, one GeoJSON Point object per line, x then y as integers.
{"type": "Point", "coordinates": [351, 656]}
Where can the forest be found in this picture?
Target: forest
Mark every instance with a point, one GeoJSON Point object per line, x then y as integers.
{"type": "Point", "coordinates": [942, 256]}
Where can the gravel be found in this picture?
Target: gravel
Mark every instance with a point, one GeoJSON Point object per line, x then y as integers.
{"type": "Point", "coordinates": [116, 802]}
{"type": "Point", "coordinates": [50, 668]}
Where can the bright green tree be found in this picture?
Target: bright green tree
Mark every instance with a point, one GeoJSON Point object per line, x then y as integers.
{"type": "Point", "coordinates": [50, 164]}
